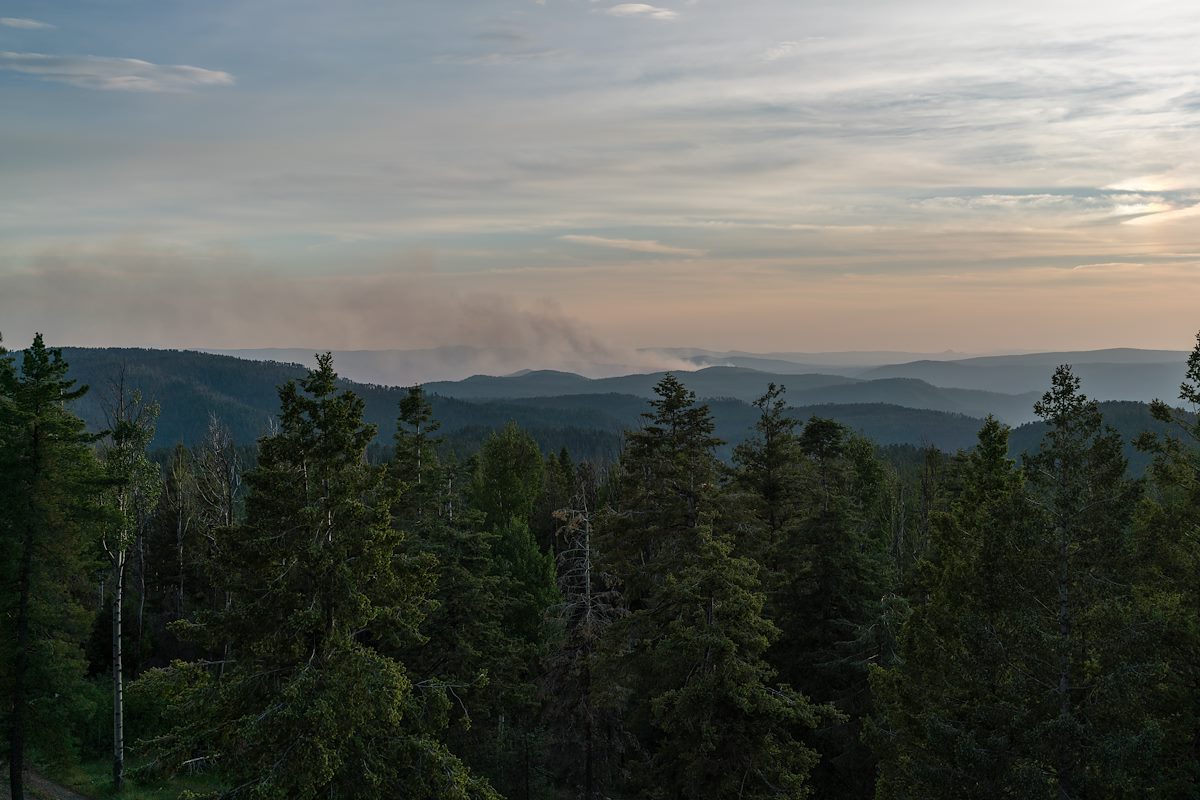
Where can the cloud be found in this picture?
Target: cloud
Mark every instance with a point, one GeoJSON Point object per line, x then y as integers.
{"type": "Point", "coordinates": [498, 58]}
{"type": "Point", "coordinates": [635, 245]}
{"type": "Point", "coordinates": [788, 49]}
{"type": "Point", "coordinates": [24, 24]}
{"type": "Point", "coordinates": [1174, 215]}
{"type": "Point", "coordinates": [1110, 265]}
{"type": "Point", "coordinates": [503, 44]}
{"type": "Point", "coordinates": [640, 10]}
{"type": "Point", "coordinates": [114, 74]}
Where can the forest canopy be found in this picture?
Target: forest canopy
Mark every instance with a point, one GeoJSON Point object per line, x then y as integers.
{"type": "Point", "coordinates": [329, 612]}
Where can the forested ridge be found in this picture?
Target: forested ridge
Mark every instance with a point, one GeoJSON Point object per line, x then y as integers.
{"type": "Point", "coordinates": [190, 387]}
{"type": "Point", "coordinates": [795, 613]}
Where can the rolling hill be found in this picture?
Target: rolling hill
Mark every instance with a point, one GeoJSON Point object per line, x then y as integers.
{"type": "Point", "coordinates": [747, 385]}
{"type": "Point", "coordinates": [560, 409]}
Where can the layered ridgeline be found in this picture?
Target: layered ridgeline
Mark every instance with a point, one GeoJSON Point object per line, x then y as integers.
{"type": "Point", "coordinates": [588, 416]}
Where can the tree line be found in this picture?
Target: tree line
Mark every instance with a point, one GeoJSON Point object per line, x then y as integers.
{"type": "Point", "coordinates": [299, 620]}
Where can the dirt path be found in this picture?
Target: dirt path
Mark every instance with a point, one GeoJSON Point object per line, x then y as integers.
{"type": "Point", "coordinates": [38, 788]}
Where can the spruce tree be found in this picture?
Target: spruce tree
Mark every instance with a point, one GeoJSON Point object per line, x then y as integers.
{"type": "Point", "coordinates": [956, 710]}
{"type": "Point", "coordinates": [323, 587]}
{"type": "Point", "coordinates": [462, 635]}
{"type": "Point", "coordinates": [814, 496]}
{"type": "Point", "coordinates": [1097, 653]}
{"type": "Point", "coordinates": [1167, 530]}
{"type": "Point", "coordinates": [49, 481]}
{"type": "Point", "coordinates": [686, 663]}
{"type": "Point", "coordinates": [1035, 664]}
{"type": "Point", "coordinates": [506, 484]}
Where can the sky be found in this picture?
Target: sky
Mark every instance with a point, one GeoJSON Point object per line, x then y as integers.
{"type": "Point", "coordinates": [589, 175]}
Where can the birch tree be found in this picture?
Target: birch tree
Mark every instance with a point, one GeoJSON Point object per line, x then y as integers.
{"type": "Point", "coordinates": [134, 488]}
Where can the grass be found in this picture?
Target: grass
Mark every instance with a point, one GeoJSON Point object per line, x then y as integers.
{"type": "Point", "coordinates": [94, 779]}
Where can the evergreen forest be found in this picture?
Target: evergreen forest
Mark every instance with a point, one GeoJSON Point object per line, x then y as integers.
{"type": "Point", "coordinates": [791, 615]}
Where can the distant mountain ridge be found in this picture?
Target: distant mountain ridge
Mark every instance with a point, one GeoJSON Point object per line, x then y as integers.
{"type": "Point", "coordinates": [563, 409]}
{"type": "Point", "coordinates": [1108, 374]}
{"type": "Point", "coordinates": [747, 385]}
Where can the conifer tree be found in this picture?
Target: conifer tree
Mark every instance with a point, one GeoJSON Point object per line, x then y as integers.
{"type": "Point", "coordinates": [1098, 656]}
{"type": "Point", "coordinates": [582, 730]}
{"type": "Point", "coordinates": [462, 635]}
{"type": "Point", "coordinates": [814, 496]}
{"type": "Point", "coordinates": [770, 470]}
{"type": "Point", "coordinates": [507, 481]}
{"type": "Point", "coordinates": [957, 709]}
{"type": "Point", "coordinates": [323, 587]}
{"type": "Point", "coordinates": [1035, 666]}
{"type": "Point", "coordinates": [48, 521]}
{"type": "Point", "coordinates": [1167, 530]}
{"type": "Point", "coordinates": [686, 663]}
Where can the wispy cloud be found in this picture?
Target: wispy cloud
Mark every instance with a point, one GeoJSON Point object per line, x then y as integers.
{"type": "Point", "coordinates": [503, 57]}
{"type": "Point", "coordinates": [24, 24]}
{"type": "Point", "coordinates": [114, 74]}
{"type": "Point", "coordinates": [503, 44]}
{"type": "Point", "coordinates": [640, 10]}
{"type": "Point", "coordinates": [635, 245]}
{"type": "Point", "coordinates": [787, 49]}
{"type": "Point", "coordinates": [1164, 217]}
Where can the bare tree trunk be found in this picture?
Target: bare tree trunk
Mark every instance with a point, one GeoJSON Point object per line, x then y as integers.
{"type": "Point", "coordinates": [589, 791]}
{"type": "Point", "coordinates": [179, 551]}
{"type": "Point", "coordinates": [141, 611]}
{"type": "Point", "coordinates": [16, 734]}
{"type": "Point", "coordinates": [1066, 788]}
{"type": "Point", "coordinates": [118, 681]}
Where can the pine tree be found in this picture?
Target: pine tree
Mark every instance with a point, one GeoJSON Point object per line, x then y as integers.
{"type": "Point", "coordinates": [48, 518]}
{"type": "Point", "coordinates": [686, 663]}
{"type": "Point", "coordinates": [1167, 531]}
{"type": "Point", "coordinates": [462, 634]}
{"type": "Point", "coordinates": [956, 709]}
{"type": "Point", "coordinates": [1097, 655]}
{"type": "Point", "coordinates": [323, 587]}
{"type": "Point", "coordinates": [815, 496]}
{"type": "Point", "coordinates": [1035, 666]}
{"type": "Point", "coordinates": [506, 484]}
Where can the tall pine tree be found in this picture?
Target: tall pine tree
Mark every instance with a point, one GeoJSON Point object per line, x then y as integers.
{"type": "Point", "coordinates": [814, 496]}
{"type": "Point", "coordinates": [686, 664]}
{"type": "Point", "coordinates": [956, 710]}
{"type": "Point", "coordinates": [323, 587]}
{"type": "Point", "coordinates": [48, 521]}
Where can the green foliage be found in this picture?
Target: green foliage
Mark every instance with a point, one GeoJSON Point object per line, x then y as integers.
{"type": "Point", "coordinates": [48, 524]}
{"type": "Point", "coordinates": [814, 497]}
{"type": "Point", "coordinates": [668, 628]}
{"type": "Point", "coordinates": [1035, 665]}
{"type": "Point", "coordinates": [94, 779]}
{"type": "Point", "coordinates": [1103, 652]}
{"type": "Point", "coordinates": [685, 664]}
{"type": "Point", "coordinates": [309, 705]}
{"type": "Point", "coordinates": [506, 485]}
{"type": "Point", "coordinates": [956, 707]}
